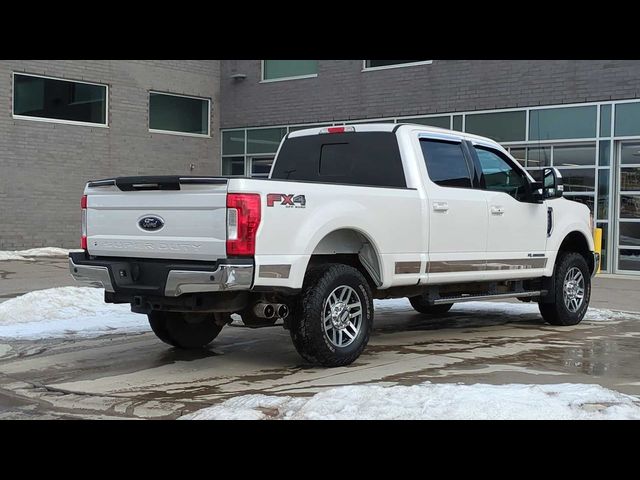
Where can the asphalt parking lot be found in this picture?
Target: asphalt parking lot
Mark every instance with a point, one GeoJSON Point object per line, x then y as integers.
{"type": "Point", "coordinates": [136, 376]}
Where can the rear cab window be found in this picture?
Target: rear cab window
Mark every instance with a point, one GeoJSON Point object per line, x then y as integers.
{"type": "Point", "coordinates": [352, 158]}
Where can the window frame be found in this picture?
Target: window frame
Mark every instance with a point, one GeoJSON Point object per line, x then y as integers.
{"type": "Point", "coordinates": [57, 120]}
{"type": "Point", "coordinates": [389, 67]}
{"type": "Point", "coordinates": [283, 79]}
{"type": "Point", "coordinates": [172, 132]}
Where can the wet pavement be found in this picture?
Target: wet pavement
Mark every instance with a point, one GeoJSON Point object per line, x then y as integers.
{"type": "Point", "coordinates": [136, 376]}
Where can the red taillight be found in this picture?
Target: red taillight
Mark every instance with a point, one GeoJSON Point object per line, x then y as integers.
{"type": "Point", "coordinates": [243, 219]}
{"type": "Point", "coordinates": [83, 222]}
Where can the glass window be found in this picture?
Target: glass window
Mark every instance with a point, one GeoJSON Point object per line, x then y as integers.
{"type": "Point", "coordinates": [275, 69]}
{"type": "Point", "coordinates": [629, 259]}
{"type": "Point", "coordinates": [173, 113]}
{"type": "Point", "coordinates": [264, 140]}
{"type": "Point", "coordinates": [499, 176]}
{"type": "Point", "coordinates": [538, 157]}
{"type": "Point", "coordinates": [501, 126]}
{"type": "Point", "coordinates": [630, 234]}
{"type": "Point", "coordinates": [366, 158]}
{"type": "Point", "coordinates": [604, 157]}
{"type": "Point", "coordinates": [457, 123]}
{"type": "Point", "coordinates": [627, 120]}
{"type": "Point", "coordinates": [304, 127]}
{"type": "Point", "coordinates": [442, 122]}
{"type": "Point", "coordinates": [520, 154]}
{"type": "Point", "coordinates": [233, 142]}
{"type": "Point", "coordinates": [233, 166]}
{"type": "Point", "coordinates": [629, 206]}
{"type": "Point", "coordinates": [574, 156]}
{"type": "Point", "coordinates": [579, 179]}
{"type": "Point", "coordinates": [56, 99]}
{"type": "Point", "coordinates": [587, 200]}
{"type": "Point", "coordinates": [446, 163]}
{"type": "Point", "coordinates": [603, 252]}
{"type": "Point", "coordinates": [261, 167]}
{"type": "Point", "coordinates": [603, 194]}
{"type": "Point", "coordinates": [630, 179]}
{"type": "Point", "coordinates": [355, 122]}
{"type": "Point", "coordinates": [390, 63]}
{"type": "Point", "coordinates": [558, 123]}
{"type": "Point", "coordinates": [630, 154]}
{"type": "Point", "coordinates": [605, 120]}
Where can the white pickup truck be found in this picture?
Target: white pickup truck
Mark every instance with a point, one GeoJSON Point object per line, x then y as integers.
{"type": "Point", "coordinates": [348, 214]}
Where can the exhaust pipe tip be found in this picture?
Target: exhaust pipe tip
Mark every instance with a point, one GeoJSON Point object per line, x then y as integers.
{"type": "Point", "coordinates": [282, 310]}
{"type": "Point", "coordinates": [264, 310]}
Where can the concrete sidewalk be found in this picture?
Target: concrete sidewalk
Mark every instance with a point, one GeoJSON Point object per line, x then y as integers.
{"type": "Point", "coordinates": [615, 292]}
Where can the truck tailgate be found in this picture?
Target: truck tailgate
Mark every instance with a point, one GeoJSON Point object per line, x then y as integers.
{"type": "Point", "coordinates": [157, 217]}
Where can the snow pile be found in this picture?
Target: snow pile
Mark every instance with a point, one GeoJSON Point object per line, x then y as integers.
{"type": "Point", "coordinates": [66, 311]}
{"type": "Point", "coordinates": [428, 401]}
{"type": "Point", "coordinates": [28, 255]}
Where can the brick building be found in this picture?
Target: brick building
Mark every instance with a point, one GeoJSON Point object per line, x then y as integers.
{"type": "Point", "coordinates": [65, 122]}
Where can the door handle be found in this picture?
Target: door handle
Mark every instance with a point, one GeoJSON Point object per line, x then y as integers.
{"type": "Point", "coordinates": [440, 206]}
{"type": "Point", "coordinates": [497, 210]}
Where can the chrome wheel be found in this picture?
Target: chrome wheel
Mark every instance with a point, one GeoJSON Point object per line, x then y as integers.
{"type": "Point", "coordinates": [573, 289]}
{"type": "Point", "coordinates": [342, 315]}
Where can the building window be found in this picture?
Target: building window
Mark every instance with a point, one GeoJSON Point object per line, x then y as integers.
{"type": "Point", "coordinates": [233, 166]}
{"type": "Point", "coordinates": [562, 123]}
{"type": "Point", "coordinates": [264, 140]}
{"type": "Point", "coordinates": [288, 69]}
{"type": "Point", "coordinates": [57, 100]}
{"type": "Point", "coordinates": [501, 126]}
{"type": "Point", "coordinates": [384, 64]}
{"type": "Point", "coordinates": [170, 113]}
{"type": "Point", "coordinates": [627, 122]}
{"type": "Point", "coordinates": [440, 121]}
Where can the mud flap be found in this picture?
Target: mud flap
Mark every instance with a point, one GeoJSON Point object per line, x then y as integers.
{"type": "Point", "coordinates": [549, 284]}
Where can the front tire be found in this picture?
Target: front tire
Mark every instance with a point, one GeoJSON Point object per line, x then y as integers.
{"type": "Point", "coordinates": [572, 291]}
{"type": "Point", "coordinates": [184, 329]}
{"type": "Point", "coordinates": [420, 305]}
{"type": "Point", "coordinates": [333, 319]}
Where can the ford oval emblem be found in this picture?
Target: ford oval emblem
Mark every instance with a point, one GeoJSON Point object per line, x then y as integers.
{"type": "Point", "coordinates": [151, 223]}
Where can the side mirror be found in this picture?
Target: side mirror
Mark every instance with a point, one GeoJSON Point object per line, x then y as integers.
{"type": "Point", "coordinates": [552, 183]}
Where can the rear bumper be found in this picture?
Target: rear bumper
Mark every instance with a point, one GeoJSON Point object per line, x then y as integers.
{"type": "Point", "coordinates": [161, 277]}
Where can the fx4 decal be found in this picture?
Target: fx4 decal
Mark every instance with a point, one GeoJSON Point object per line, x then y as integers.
{"type": "Point", "coordinates": [289, 201]}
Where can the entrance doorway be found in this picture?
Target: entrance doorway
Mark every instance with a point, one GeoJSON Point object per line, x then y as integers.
{"type": "Point", "coordinates": [626, 251]}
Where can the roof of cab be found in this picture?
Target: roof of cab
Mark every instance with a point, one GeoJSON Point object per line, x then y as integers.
{"type": "Point", "coordinates": [391, 127]}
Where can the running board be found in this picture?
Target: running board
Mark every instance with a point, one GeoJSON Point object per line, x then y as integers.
{"type": "Point", "coordinates": [471, 298]}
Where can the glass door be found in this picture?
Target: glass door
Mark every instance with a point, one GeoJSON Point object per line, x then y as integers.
{"type": "Point", "coordinates": [627, 235]}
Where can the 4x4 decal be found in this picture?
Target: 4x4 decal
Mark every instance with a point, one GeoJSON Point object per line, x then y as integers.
{"type": "Point", "coordinates": [289, 201]}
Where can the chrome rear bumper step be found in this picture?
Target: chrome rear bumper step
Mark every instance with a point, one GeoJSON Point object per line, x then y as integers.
{"type": "Point", "coordinates": [496, 296]}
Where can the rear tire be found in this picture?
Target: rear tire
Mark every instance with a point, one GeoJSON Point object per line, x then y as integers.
{"type": "Point", "coordinates": [333, 317]}
{"type": "Point", "coordinates": [184, 329]}
{"type": "Point", "coordinates": [572, 291]}
{"type": "Point", "coordinates": [420, 305]}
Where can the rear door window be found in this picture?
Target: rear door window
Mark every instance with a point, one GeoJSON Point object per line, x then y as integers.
{"type": "Point", "coordinates": [354, 158]}
{"type": "Point", "coordinates": [446, 163]}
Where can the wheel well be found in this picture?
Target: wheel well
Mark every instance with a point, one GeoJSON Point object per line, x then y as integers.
{"type": "Point", "coordinates": [576, 242]}
{"type": "Point", "coordinates": [349, 247]}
